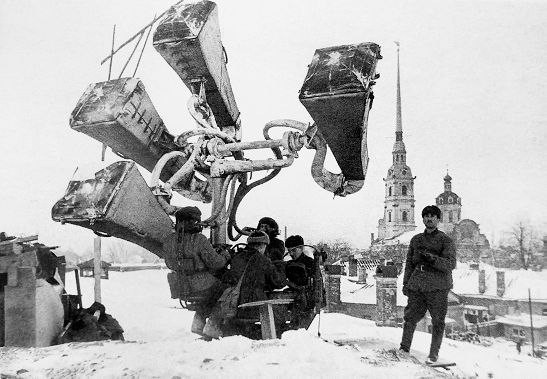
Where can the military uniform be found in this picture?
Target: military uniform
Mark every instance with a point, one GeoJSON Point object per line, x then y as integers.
{"type": "Point", "coordinates": [275, 249]}
{"type": "Point", "coordinates": [196, 258]}
{"type": "Point", "coordinates": [260, 276]}
{"type": "Point", "coordinates": [427, 280]}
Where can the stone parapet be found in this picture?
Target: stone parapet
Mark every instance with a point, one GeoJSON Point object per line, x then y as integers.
{"type": "Point", "coordinates": [332, 284]}
{"type": "Point", "coordinates": [386, 301]}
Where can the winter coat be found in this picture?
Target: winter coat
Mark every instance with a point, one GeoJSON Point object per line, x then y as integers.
{"type": "Point", "coordinates": [260, 276]}
{"type": "Point", "coordinates": [196, 258]}
{"type": "Point", "coordinates": [300, 270]}
{"type": "Point", "coordinates": [421, 275]}
{"type": "Point", "coordinates": [275, 250]}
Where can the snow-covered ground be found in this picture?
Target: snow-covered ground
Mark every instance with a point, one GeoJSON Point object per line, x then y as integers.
{"type": "Point", "coordinates": [158, 344]}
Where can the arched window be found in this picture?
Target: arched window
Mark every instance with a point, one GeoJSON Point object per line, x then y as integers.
{"type": "Point", "coordinates": [389, 191]}
{"type": "Point", "coordinates": [404, 190]}
{"type": "Point", "coordinates": [405, 216]}
{"type": "Point", "coordinates": [450, 218]}
{"type": "Point", "coordinates": [388, 216]}
{"type": "Point", "coordinates": [440, 200]}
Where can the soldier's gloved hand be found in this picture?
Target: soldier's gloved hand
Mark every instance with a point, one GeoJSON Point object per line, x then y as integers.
{"type": "Point", "coordinates": [405, 291]}
{"type": "Point", "coordinates": [429, 258]}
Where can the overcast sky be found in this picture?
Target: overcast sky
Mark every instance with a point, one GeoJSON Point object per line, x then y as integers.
{"type": "Point", "coordinates": [473, 78]}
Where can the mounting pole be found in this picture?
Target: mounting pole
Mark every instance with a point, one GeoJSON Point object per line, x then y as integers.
{"type": "Point", "coordinates": [97, 267]}
{"type": "Point", "coordinates": [531, 322]}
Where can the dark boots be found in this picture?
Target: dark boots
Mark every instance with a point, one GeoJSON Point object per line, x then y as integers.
{"type": "Point", "coordinates": [437, 331]}
{"type": "Point", "coordinates": [408, 333]}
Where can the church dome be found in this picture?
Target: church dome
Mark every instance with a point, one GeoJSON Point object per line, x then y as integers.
{"type": "Point", "coordinates": [447, 178]}
{"type": "Point", "coordinates": [448, 197]}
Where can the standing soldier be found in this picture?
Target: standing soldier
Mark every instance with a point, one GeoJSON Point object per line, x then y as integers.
{"type": "Point", "coordinates": [427, 280]}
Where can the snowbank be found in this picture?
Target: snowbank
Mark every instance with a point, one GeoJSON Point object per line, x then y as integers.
{"type": "Point", "coordinates": [160, 345]}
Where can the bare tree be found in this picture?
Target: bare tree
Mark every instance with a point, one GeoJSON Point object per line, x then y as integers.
{"type": "Point", "coordinates": [524, 239]}
{"type": "Point", "coordinates": [117, 252]}
{"type": "Point", "coordinates": [120, 251]}
{"type": "Point", "coordinates": [337, 249]}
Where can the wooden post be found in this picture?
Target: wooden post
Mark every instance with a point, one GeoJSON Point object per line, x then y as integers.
{"type": "Point", "coordinates": [97, 267]}
{"type": "Point", "coordinates": [531, 322]}
{"type": "Point", "coordinates": [78, 289]}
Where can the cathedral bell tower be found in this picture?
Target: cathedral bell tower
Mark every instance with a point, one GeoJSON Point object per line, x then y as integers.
{"type": "Point", "coordinates": [399, 182]}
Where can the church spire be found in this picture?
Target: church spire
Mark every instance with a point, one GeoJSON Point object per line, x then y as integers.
{"type": "Point", "coordinates": [399, 182]}
{"type": "Point", "coordinates": [399, 126]}
{"type": "Point", "coordinates": [399, 151]}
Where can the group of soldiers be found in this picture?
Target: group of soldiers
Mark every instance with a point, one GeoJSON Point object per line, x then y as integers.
{"type": "Point", "coordinates": [260, 267]}
{"type": "Point", "coordinates": [257, 269]}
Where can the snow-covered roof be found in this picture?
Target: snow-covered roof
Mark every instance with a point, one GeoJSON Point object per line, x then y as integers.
{"type": "Point", "coordinates": [475, 307]}
{"type": "Point", "coordinates": [466, 282]}
{"type": "Point", "coordinates": [517, 282]}
{"type": "Point", "coordinates": [403, 239]}
{"type": "Point", "coordinates": [352, 292]}
{"type": "Point", "coordinates": [523, 319]}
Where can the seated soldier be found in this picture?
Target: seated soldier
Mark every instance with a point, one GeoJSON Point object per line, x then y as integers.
{"type": "Point", "coordinates": [191, 254]}
{"type": "Point", "coordinates": [299, 271]}
{"type": "Point", "coordinates": [259, 276]}
{"type": "Point", "coordinates": [298, 277]}
{"type": "Point", "coordinates": [275, 249]}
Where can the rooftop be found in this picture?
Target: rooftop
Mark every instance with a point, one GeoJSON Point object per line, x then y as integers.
{"type": "Point", "coordinates": [523, 319]}
{"type": "Point", "coordinates": [517, 282]}
{"type": "Point", "coordinates": [466, 282]}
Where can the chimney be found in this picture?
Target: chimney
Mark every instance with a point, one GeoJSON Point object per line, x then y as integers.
{"type": "Point", "coordinates": [482, 282]}
{"type": "Point", "coordinates": [500, 283]}
{"type": "Point", "coordinates": [352, 266]}
{"type": "Point", "coordinates": [332, 289]}
{"type": "Point", "coordinates": [372, 238]}
{"type": "Point", "coordinates": [361, 274]}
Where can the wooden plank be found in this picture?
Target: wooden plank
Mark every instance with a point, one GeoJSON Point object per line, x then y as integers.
{"type": "Point", "coordinates": [267, 322]}
{"type": "Point", "coordinates": [262, 302]}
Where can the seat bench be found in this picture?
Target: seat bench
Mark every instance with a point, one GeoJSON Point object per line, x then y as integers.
{"type": "Point", "coordinates": [267, 320]}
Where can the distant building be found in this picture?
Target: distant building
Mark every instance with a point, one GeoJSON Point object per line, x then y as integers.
{"type": "Point", "coordinates": [471, 244]}
{"type": "Point", "coordinates": [487, 301]}
{"type": "Point", "coordinates": [87, 269]}
{"type": "Point", "coordinates": [450, 205]}
{"type": "Point", "coordinates": [399, 184]}
{"type": "Point", "coordinates": [518, 326]}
